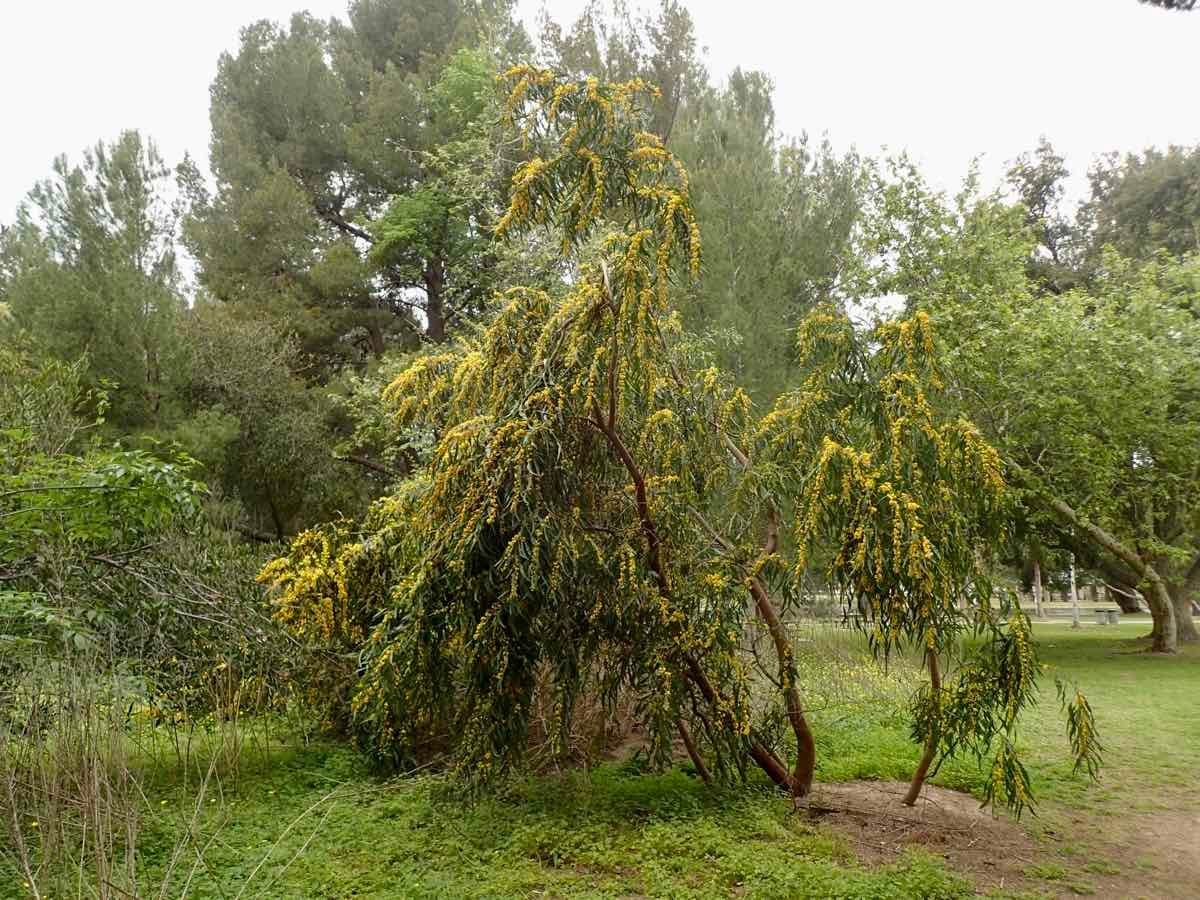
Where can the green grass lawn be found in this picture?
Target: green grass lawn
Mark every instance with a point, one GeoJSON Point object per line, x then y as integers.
{"type": "Point", "coordinates": [1147, 709]}
{"type": "Point", "coordinates": [310, 823]}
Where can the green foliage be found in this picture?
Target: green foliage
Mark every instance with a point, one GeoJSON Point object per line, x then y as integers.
{"type": "Point", "coordinates": [66, 508]}
{"type": "Point", "coordinates": [90, 273]}
{"type": "Point", "coordinates": [1097, 410]}
{"type": "Point", "coordinates": [1039, 181]}
{"type": "Point", "coordinates": [359, 155]}
{"type": "Point", "coordinates": [107, 554]}
{"type": "Point", "coordinates": [778, 216]}
{"type": "Point", "coordinates": [1144, 203]}
{"type": "Point", "coordinates": [265, 436]}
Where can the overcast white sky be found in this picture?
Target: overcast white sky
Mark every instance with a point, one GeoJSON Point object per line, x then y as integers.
{"type": "Point", "coordinates": [945, 79]}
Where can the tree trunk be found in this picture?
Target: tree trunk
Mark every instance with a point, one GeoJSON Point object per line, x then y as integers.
{"type": "Point", "coordinates": [1037, 588]}
{"type": "Point", "coordinates": [435, 312]}
{"type": "Point", "coordinates": [375, 339]}
{"type": "Point", "coordinates": [694, 753]}
{"type": "Point", "coordinates": [935, 688]}
{"type": "Point", "coordinates": [1184, 596]}
{"type": "Point", "coordinates": [1074, 596]}
{"type": "Point", "coordinates": [806, 748]}
{"type": "Point", "coordinates": [1185, 625]}
{"type": "Point", "coordinates": [1163, 636]}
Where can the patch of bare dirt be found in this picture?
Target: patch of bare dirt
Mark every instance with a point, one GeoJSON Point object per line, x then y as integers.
{"type": "Point", "coordinates": [992, 850]}
{"type": "Point", "coordinates": [1157, 853]}
{"type": "Point", "coordinates": [1155, 856]}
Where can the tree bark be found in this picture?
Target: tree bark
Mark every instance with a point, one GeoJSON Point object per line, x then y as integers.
{"type": "Point", "coordinates": [1074, 596]}
{"type": "Point", "coordinates": [694, 753]}
{"type": "Point", "coordinates": [806, 748]}
{"type": "Point", "coordinates": [1185, 625]}
{"type": "Point", "coordinates": [1037, 588]}
{"type": "Point", "coordinates": [1184, 596]}
{"type": "Point", "coordinates": [935, 687]}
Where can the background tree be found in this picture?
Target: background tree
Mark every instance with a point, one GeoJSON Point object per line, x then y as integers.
{"type": "Point", "coordinates": [608, 41]}
{"type": "Point", "coordinates": [265, 438]}
{"type": "Point", "coordinates": [1145, 202]}
{"type": "Point", "coordinates": [1038, 180]}
{"type": "Point", "coordinates": [89, 270]}
{"type": "Point", "coordinates": [1095, 414]}
{"type": "Point", "coordinates": [334, 148]}
{"type": "Point", "coordinates": [779, 216]}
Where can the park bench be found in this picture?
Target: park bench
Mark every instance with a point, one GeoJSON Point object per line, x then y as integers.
{"type": "Point", "coordinates": [1105, 613]}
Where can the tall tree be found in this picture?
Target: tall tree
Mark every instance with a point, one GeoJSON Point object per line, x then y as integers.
{"type": "Point", "coordinates": [334, 148]}
{"type": "Point", "coordinates": [89, 270]}
{"type": "Point", "coordinates": [779, 216]}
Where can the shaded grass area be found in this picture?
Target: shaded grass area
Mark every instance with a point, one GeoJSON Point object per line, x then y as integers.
{"type": "Point", "coordinates": [311, 823]}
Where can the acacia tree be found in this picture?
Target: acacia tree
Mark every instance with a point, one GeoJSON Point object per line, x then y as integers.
{"type": "Point", "coordinates": [601, 503]}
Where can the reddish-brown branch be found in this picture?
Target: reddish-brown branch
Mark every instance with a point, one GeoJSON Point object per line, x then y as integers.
{"type": "Point", "coordinates": [806, 750]}
{"type": "Point", "coordinates": [694, 753]}
{"type": "Point", "coordinates": [761, 754]}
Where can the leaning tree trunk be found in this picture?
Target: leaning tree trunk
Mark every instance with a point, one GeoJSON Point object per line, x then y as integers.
{"type": "Point", "coordinates": [1163, 637]}
{"type": "Point", "coordinates": [935, 688]}
{"type": "Point", "coordinates": [1183, 597]}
